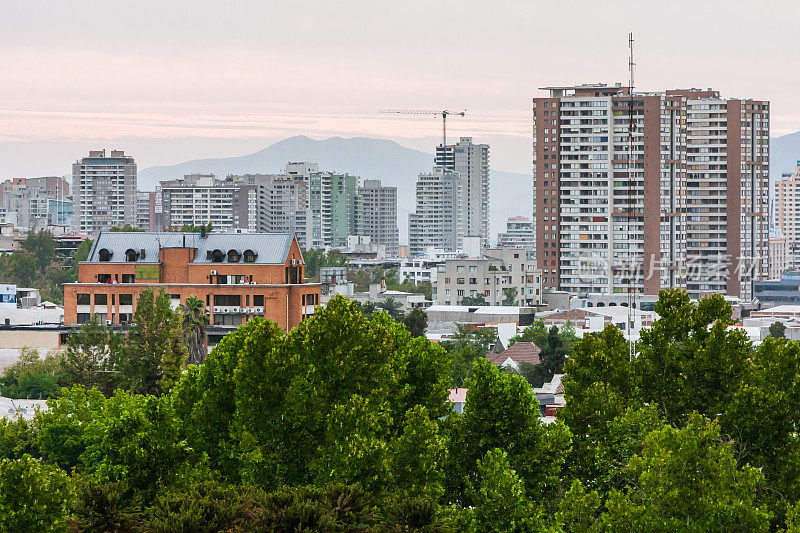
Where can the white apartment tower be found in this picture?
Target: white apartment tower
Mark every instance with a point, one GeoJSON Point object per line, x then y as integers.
{"type": "Point", "coordinates": [104, 189]}
{"type": "Point", "coordinates": [377, 214]}
{"type": "Point", "coordinates": [434, 224]}
{"type": "Point", "coordinates": [471, 162]}
{"type": "Point", "coordinates": [680, 202]}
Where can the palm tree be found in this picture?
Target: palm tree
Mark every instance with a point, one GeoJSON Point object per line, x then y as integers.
{"type": "Point", "coordinates": [195, 320]}
{"type": "Point", "coordinates": [393, 307]}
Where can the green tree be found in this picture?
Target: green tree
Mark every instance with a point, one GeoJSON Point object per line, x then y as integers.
{"type": "Point", "coordinates": [195, 320]}
{"type": "Point", "coordinates": [690, 360]}
{"type": "Point", "coordinates": [416, 322]}
{"type": "Point", "coordinates": [500, 500]}
{"type": "Point", "coordinates": [598, 387]}
{"type": "Point", "coordinates": [33, 496]}
{"type": "Point", "coordinates": [154, 350]}
{"type": "Point", "coordinates": [552, 359]}
{"type": "Point", "coordinates": [33, 377]}
{"type": "Point", "coordinates": [501, 411]}
{"type": "Point", "coordinates": [43, 247]}
{"type": "Point", "coordinates": [126, 228]}
{"type": "Point", "coordinates": [393, 307]}
{"type": "Point", "coordinates": [688, 480]}
{"type": "Point", "coordinates": [480, 299]}
{"type": "Point", "coordinates": [510, 296]}
{"type": "Point", "coordinates": [777, 330]}
{"type": "Point", "coordinates": [417, 456]}
{"type": "Point", "coordinates": [135, 440]}
{"type": "Point", "coordinates": [90, 356]}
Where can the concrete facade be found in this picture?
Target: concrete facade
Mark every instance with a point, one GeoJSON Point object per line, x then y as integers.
{"type": "Point", "coordinates": [104, 190]}
{"type": "Point", "coordinates": [434, 224]}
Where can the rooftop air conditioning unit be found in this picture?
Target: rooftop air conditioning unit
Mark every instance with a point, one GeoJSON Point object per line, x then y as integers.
{"type": "Point", "coordinates": [108, 322]}
{"type": "Point", "coordinates": [216, 309]}
{"type": "Point", "coordinates": [253, 283]}
{"type": "Point", "coordinates": [213, 272]}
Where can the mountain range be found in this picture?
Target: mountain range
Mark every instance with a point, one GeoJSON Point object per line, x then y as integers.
{"type": "Point", "coordinates": [395, 165]}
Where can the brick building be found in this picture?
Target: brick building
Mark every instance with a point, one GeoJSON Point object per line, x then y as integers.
{"type": "Point", "coordinates": [237, 275]}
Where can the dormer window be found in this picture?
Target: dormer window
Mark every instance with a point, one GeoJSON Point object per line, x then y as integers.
{"type": "Point", "coordinates": [105, 254]}
{"type": "Point", "coordinates": [131, 255]}
{"type": "Point", "coordinates": [217, 256]}
{"type": "Point", "coordinates": [234, 256]}
{"type": "Point", "coordinates": [250, 256]}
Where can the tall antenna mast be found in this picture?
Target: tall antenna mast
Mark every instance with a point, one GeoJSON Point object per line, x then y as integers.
{"type": "Point", "coordinates": [633, 265]}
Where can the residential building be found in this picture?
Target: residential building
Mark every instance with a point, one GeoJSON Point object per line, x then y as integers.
{"type": "Point", "coordinates": [482, 314]}
{"type": "Point", "coordinates": [237, 275]}
{"type": "Point", "coordinates": [281, 204]}
{"type": "Point", "coordinates": [36, 203]}
{"type": "Point", "coordinates": [786, 209]}
{"type": "Point", "coordinates": [519, 234]}
{"type": "Point", "coordinates": [503, 276]}
{"type": "Point", "coordinates": [690, 211]}
{"type": "Point", "coordinates": [471, 162]}
{"type": "Point", "coordinates": [434, 224]}
{"type": "Point", "coordinates": [779, 255]}
{"type": "Point", "coordinates": [519, 352]}
{"type": "Point", "coordinates": [200, 199]}
{"type": "Point", "coordinates": [104, 190]}
{"type": "Point", "coordinates": [377, 215]}
{"type": "Point", "coordinates": [150, 210]}
{"type": "Point", "coordinates": [343, 208]}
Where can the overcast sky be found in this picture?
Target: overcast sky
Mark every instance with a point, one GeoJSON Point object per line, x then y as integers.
{"type": "Point", "coordinates": [172, 80]}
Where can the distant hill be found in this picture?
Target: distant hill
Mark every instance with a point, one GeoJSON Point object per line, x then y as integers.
{"type": "Point", "coordinates": [395, 165]}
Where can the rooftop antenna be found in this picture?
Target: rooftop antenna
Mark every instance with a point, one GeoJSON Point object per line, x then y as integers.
{"type": "Point", "coordinates": [633, 267]}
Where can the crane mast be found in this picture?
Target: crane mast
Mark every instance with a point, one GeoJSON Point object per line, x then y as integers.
{"type": "Point", "coordinates": [444, 113]}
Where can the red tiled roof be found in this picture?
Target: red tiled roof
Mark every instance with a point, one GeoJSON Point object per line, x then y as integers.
{"type": "Point", "coordinates": [519, 352]}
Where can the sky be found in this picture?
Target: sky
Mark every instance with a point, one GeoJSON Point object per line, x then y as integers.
{"type": "Point", "coordinates": [174, 80]}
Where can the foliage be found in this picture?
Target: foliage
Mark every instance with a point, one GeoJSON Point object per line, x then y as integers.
{"type": "Point", "coordinates": [154, 351]}
{"type": "Point", "coordinates": [480, 299]}
{"type": "Point", "coordinates": [32, 377]}
{"type": "Point", "coordinates": [16, 438]}
{"type": "Point", "coordinates": [467, 345]}
{"type": "Point", "coordinates": [501, 411]}
{"type": "Point", "coordinates": [195, 319]}
{"type": "Point", "coordinates": [38, 265]}
{"type": "Point", "coordinates": [510, 296]}
{"type": "Point", "coordinates": [33, 496]}
{"type": "Point", "coordinates": [125, 228]}
{"type": "Point", "coordinates": [416, 322]}
{"type": "Point", "coordinates": [315, 259]}
{"type": "Point", "coordinates": [89, 357]}
{"type": "Point", "coordinates": [104, 506]}
{"type": "Point", "coordinates": [688, 479]}
{"type": "Point", "coordinates": [777, 330]}
{"type": "Point", "coordinates": [500, 500]}
{"type": "Point", "coordinates": [392, 307]}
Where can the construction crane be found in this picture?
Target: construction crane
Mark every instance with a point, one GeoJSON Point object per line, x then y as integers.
{"type": "Point", "coordinates": [443, 113]}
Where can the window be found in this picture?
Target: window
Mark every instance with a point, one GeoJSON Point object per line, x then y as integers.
{"type": "Point", "coordinates": [250, 256]}
{"type": "Point", "coordinates": [227, 299]}
{"type": "Point", "coordinates": [131, 255]}
{"type": "Point", "coordinates": [473, 281]}
{"type": "Point", "coordinates": [234, 256]}
{"type": "Point", "coordinates": [104, 278]}
{"type": "Point", "coordinates": [227, 320]}
{"type": "Point", "coordinates": [239, 279]}
{"type": "Point", "coordinates": [105, 254]}
{"type": "Point", "coordinates": [217, 256]}
{"type": "Point", "coordinates": [83, 318]}
{"type": "Point", "coordinates": [83, 298]}
{"type": "Point", "coordinates": [126, 299]}
{"type": "Point", "coordinates": [460, 268]}
{"type": "Point", "coordinates": [460, 281]}
{"type": "Point", "coordinates": [100, 299]}
{"type": "Point", "coordinates": [258, 300]}
{"type": "Point", "coordinates": [473, 268]}
{"type": "Point", "coordinates": [128, 278]}
{"type": "Point", "coordinates": [125, 318]}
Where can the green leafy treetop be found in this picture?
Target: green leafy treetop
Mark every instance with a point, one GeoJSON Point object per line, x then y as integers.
{"type": "Point", "coordinates": [151, 360]}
